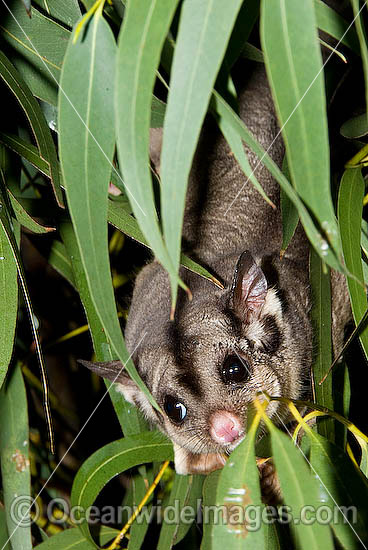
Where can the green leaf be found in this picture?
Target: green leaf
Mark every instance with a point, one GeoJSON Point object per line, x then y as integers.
{"type": "Point", "coordinates": [342, 490]}
{"type": "Point", "coordinates": [184, 496]}
{"type": "Point", "coordinates": [299, 489]}
{"type": "Point", "coordinates": [73, 539]}
{"type": "Point", "coordinates": [355, 127]}
{"type": "Point", "coordinates": [209, 497]}
{"type": "Point", "coordinates": [67, 12]}
{"type": "Point", "coordinates": [59, 260]}
{"type": "Point", "coordinates": [204, 31]}
{"type": "Point", "coordinates": [14, 452]}
{"type": "Point", "coordinates": [317, 240]}
{"type": "Point", "coordinates": [360, 30]}
{"type": "Point", "coordinates": [25, 219]}
{"type": "Point", "coordinates": [86, 145]}
{"type": "Point", "coordinates": [122, 220]}
{"type": "Point", "coordinates": [9, 299]}
{"type": "Point", "coordinates": [350, 205]}
{"type": "Point", "coordinates": [140, 42]}
{"type": "Point", "coordinates": [297, 83]}
{"type": "Point", "coordinates": [320, 280]}
{"type": "Point", "coordinates": [129, 417]}
{"type": "Point", "coordinates": [238, 488]}
{"type": "Point", "coordinates": [37, 47]}
{"type": "Point", "coordinates": [329, 21]}
{"type": "Point", "coordinates": [289, 214]}
{"type": "Point", "coordinates": [237, 148]}
{"type": "Point", "coordinates": [4, 537]}
{"type": "Point", "coordinates": [157, 113]}
{"type": "Point", "coordinates": [111, 460]}
{"type": "Point", "coordinates": [36, 119]}
{"type": "Point", "coordinates": [25, 150]}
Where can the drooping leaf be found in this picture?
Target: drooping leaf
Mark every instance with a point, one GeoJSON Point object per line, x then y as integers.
{"type": "Point", "coordinates": [318, 241]}
{"type": "Point", "coordinates": [111, 460]}
{"type": "Point", "coordinates": [295, 73]}
{"type": "Point", "coordinates": [139, 47]}
{"type": "Point", "coordinates": [329, 21]}
{"type": "Point", "coordinates": [299, 489]}
{"type": "Point", "coordinates": [25, 219]}
{"type": "Point", "coordinates": [130, 419]}
{"type": "Point", "coordinates": [123, 221]}
{"type": "Point", "coordinates": [320, 280]}
{"type": "Point", "coordinates": [9, 300]}
{"type": "Point", "coordinates": [238, 488]}
{"type": "Point", "coordinates": [73, 539]}
{"type": "Point", "coordinates": [203, 35]}
{"type": "Point", "coordinates": [342, 490]}
{"type": "Point", "coordinates": [14, 452]}
{"type": "Point", "coordinates": [209, 518]}
{"type": "Point", "coordinates": [350, 206]}
{"type": "Point", "coordinates": [36, 46]}
{"type": "Point", "coordinates": [86, 146]}
{"type": "Point", "coordinates": [59, 260]}
{"type": "Point", "coordinates": [36, 119]}
{"type": "Point", "coordinates": [185, 495]}
{"type": "Point", "coordinates": [67, 12]}
{"type": "Point", "coordinates": [360, 30]}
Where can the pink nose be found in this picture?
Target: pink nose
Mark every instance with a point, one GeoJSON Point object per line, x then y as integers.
{"type": "Point", "coordinates": [225, 427]}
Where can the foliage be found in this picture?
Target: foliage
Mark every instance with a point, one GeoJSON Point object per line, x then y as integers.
{"type": "Point", "coordinates": [83, 83]}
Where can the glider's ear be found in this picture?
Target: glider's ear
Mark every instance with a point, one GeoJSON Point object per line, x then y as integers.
{"type": "Point", "coordinates": [115, 372]}
{"type": "Point", "coordinates": [249, 289]}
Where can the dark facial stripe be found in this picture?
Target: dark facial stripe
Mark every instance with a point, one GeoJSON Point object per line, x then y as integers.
{"type": "Point", "coordinates": [271, 339]}
{"type": "Point", "coordinates": [189, 381]}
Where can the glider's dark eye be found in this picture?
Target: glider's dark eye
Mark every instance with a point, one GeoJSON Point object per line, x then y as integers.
{"type": "Point", "coordinates": [174, 409]}
{"type": "Point", "coordinates": [235, 370]}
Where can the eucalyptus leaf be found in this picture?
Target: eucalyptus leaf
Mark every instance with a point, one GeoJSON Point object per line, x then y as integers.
{"type": "Point", "coordinates": [36, 46]}
{"type": "Point", "coordinates": [37, 121]}
{"type": "Point", "coordinates": [295, 74]}
{"type": "Point", "coordinates": [299, 489]}
{"type": "Point", "coordinates": [86, 147]}
{"type": "Point", "coordinates": [111, 460]}
{"type": "Point", "coordinates": [73, 539]}
{"type": "Point", "coordinates": [238, 488]}
{"type": "Point", "coordinates": [9, 301]}
{"type": "Point", "coordinates": [316, 238]}
{"type": "Point", "coordinates": [320, 279]}
{"type": "Point", "coordinates": [350, 205]}
{"type": "Point", "coordinates": [14, 452]}
{"type": "Point", "coordinates": [144, 30]}
{"type": "Point", "coordinates": [203, 35]}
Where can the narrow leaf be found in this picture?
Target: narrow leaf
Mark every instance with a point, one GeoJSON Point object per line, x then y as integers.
{"type": "Point", "coordinates": [317, 240]}
{"type": "Point", "coordinates": [129, 417]}
{"type": "Point", "coordinates": [299, 489]}
{"type": "Point", "coordinates": [296, 79]}
{"type": "Point", "coordinates": [350, 205]}
{"type": "Point", "coordinates": [320, 280]}
{"type": "Point", "coordinates": [36, 119]}
{"type": "Point", "coordinates": [238, 488]}
{"type": "Point", "coordinates": [185, 495]}
{"type": "Point", "coordinates": [329, 21]}
{"type": "Point", "coordinates": [140, 42]}
{"type": "Point", "coordinates": [8, 302]}
{"type": "Point", "coordinates": [358, 19]}
{"type": "Point", "coordinates": [36, 47]}
{"type": "Point", "coordinates": [73, 539]}
{"type": "Point", "coordinates": [14, 451]}
{"type": "Point", "coordinates": [204, 32]}
{"type": "Point", "coordinates": [86, 145]}
{"type": "Point", "coordinates": [111, 460]}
